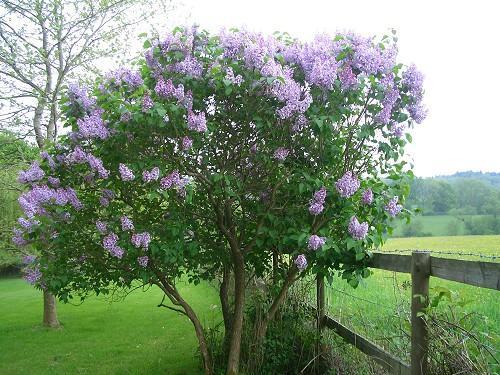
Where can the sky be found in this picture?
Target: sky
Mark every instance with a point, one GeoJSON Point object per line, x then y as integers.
{"type": "Point", "coordinates": [456, 44]}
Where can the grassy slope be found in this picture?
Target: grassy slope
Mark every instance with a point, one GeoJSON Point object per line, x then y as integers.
{"type": "Point", "coordinates": [127, 337]}
{"type": "Point", "coordinates": [371, 308]}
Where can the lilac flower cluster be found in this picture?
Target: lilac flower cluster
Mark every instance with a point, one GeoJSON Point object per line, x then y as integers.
{"type": "Point", "coordinates": [315, 242]}
{"type": "Point", "coordinates": [316, 205]}
{"type": "Point", "coordinates": [281, 153]}
{"type": "Point", "coordinates": [301, 262]}
{"type": "Point", "coordinates": [27, 224]}
{"type": "Point", "coordinates": [347, 185]}
{"type": "Point", "coordinates": [147, 102]}
{"type": "Point", "coordinates": [166, 89]}
{"type": "Point", "coordinates": [32, 274]}
{"type": "Point", "coordinates": [50, 161]}
{"type": "Point", "coordinates": [18, 237]}
{"type": "Point", "coordinates": [33, 201]}
{"type": "Point", "coordinates": [107, 196]}
{"type": "Point", "coordinates": [125, 117]}
{"type": "Point", "coordinates": [101, 226]}
{"type": "Point", "coordinates": [92, 125]}
{"type": "Point", "coordinates": [367, 196]}
{"type": "Point", "coordinates": [413, 80]}
{"type": "Point", "coordinates": [28, 259]}
{"type": "Point", "coordinates": [235, 80]}
{"type": "Point", "coordinates": [125, 75]}
{"type": "Point", "coordinates": [190, 66]}
{"type": "Point", "coordinates": [126, 173]}
{"type": "Point", "coordinates": [357, 230]}
{"type": "Point", "coordinates": [347, 78]}
{"type": "Point", "coordinates": [54, 181]}
{"type": "Point", "coordinates": [143, 261]}
{"type": "Point", "coordinates": [392, 207]}
{"type": "Point", "coordinates": [78, 156]}
{"type": "Point", "coordinates": [79, 95]}
{"type": "Point", "coordinates": [33, 174]}
{"type": "Point", "coordinates": [172, 180]}
{"type": "Point", "coordinates": [152, 175]}
{"type": "Point", "coordinates": [141, 240]}
{"type": "Point", "coordinates": [127, 224]}
{"type": "Point", "coordinates": [97, 165]}
{"type": "Point", "coordinates": [390, 99]}
{"type": "Point", "coordinates": [187, 143]}
{"type": "Point", "coordinates": [110, 243]}
{"type": "Point", "coordinates": [397, 130]}
{"type": "Point", "coordinates": [197, 122]}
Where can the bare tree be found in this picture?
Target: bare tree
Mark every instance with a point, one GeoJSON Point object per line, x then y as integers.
{"type": "Point", "coordinates": [45, 43]}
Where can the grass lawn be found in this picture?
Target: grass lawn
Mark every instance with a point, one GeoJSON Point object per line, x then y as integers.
{"type": "Point", "coordinates": [132, 336]}
{"type": "Point", "coordinates": [380, 304]}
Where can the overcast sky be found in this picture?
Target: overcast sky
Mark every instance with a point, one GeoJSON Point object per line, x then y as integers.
{"type": "Point", "coordinates": [456, 44]}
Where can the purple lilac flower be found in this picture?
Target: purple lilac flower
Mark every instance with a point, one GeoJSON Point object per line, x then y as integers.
{"type": "Point", "coordinates": [147, 103]}
{"type": "Point", "coordinates": [125, 117]}
{"type": "Point", "coordinates": [281, 153]}
{"type": "Point", "coordinates": [33, 174]}
{"type": "Point", "coordinates": [141, 240]}
{"type": "Point", "coordinates": [238, 80]}
{"type": "Point", "coordinates": [164, 88]}
{"type": "Point", "coordinates": [18, 238]}
{"type": "Point", "coordinates": [315, 242]}
{"type": "Point", "coordinates": [32, 274]}
{"type": "Point", "coordinates": [301, 262]}
{"type": "Point", "coordinates": [392, 207]}
{"type": "Point", "coordinates": [54, 181]}
{"type": "Point", "coordinates": [127, 224]}
{"type": "Point", "coordinates": [417, 112]}
{"type": "Point", "coordinates": [77, 156]}
{"type": "Point", "coordinates": [96, 164]}
{"type": "Point", "coordinates": [189, 66]}
{"type": "Point", "coordinates": [187, 143]}
{"type": "Point", "coordinates": [125, 75]}
{"type": "Point", "coordinates": [27, 224]}
{"type": "Point", "coordinates": [347, 78]}
{"type": "Point", "coordinates": [414, 80]}
{"type": "Point", "coordinates": [397, 130]}
{"type": "Point", "coordinates": [125, 173]}
{"type": "Point", "coordinates": [347, 185]}
{"type": "Point", "coordinates": [357, 230]}
{"type": "Point", "coordinates": [300, 123]}
{"type": "Point", "coordinates": [197, 122]}
{"type": "Point", "coordinates": [367, 196]}
{"type": "Point", "coordinates": [92, 125]}
{"type": "Point", "coordinates": [101, 226]}
{"type": "Point", "coordinates": [109, 243]}
{"type": "Point", "coordinates": [143, 261]}
{"type": "Point", "coordinates": [79, 95]}
{"type": "Point", "coordinates": [317, 202]}
{"type": "Point", "coordinates": [173, 179]}
{"type": "Point", "coordinates": [390, 98]}
{"type": "Point", "coordinates": [28, 259]}
{"type": "Point", "coordinates": [50, 161]}
{"type": "Point", "coordinates": [152, 175]}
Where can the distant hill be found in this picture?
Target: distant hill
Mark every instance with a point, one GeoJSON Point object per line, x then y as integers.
{"type": "Point", "coordinates": [489, 178]}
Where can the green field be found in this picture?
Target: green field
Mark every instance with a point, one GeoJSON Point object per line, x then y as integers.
{"type": "Point", "coordinates": [133, 336]}
{"type": "Point", "coordinates": [383, 301]}
{"type": "Point", "coordinates": [437, 225]}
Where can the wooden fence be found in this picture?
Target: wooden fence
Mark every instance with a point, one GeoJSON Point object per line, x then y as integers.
{"type": "Point", "coordinates": [421, 265]}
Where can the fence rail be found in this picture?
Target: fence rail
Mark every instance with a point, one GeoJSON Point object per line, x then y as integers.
{"type": "Point", "coordinates": [421, 265]}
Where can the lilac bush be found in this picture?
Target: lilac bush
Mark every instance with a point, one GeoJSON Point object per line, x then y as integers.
{"type": "Point", "coordinates": [218, 153]}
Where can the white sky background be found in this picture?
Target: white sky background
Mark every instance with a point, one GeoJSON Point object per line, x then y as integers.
{"type": "Point", "coordinates": [456, 44]}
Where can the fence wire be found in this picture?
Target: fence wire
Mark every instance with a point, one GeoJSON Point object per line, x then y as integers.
{"type": "Point", "coordinates": [446, 252]}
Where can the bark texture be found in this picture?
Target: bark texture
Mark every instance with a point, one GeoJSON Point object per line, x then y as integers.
{"type": "Point", "coordinates": [49, 310]}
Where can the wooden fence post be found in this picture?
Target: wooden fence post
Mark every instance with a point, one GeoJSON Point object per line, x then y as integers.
{"type": "Point", "coordinates": [420, 274]}
{"type": "Point", "coordinates": [320, 309]}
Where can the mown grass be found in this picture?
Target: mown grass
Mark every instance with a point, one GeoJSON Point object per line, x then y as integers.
{"type": "Point", "coordinates": [379, 306]}
{"type": "Point", "coordinates": [132, 336]}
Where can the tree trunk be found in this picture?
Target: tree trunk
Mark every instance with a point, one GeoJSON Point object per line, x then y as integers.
{"type": "Point", "coordinates": [233, 361]}
{"type": "Point", "coordinates": [49, 310]}
{"type": "Point", "coordinates": [200, 334]}
{"type": "Point", "coordinates": [226, 306]}
{"type": "Point", "coordinates": [261, 330]}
